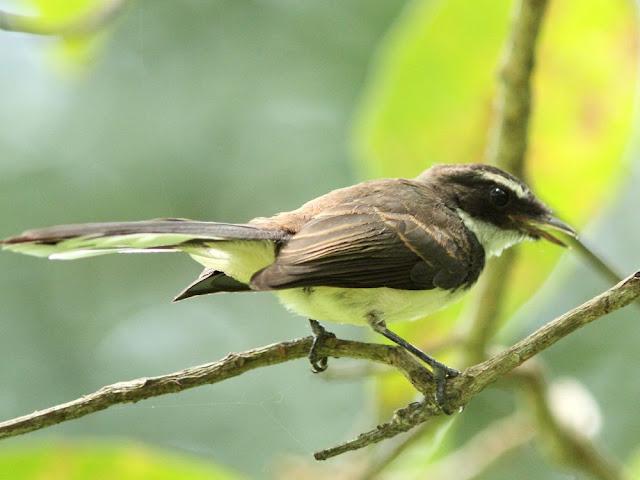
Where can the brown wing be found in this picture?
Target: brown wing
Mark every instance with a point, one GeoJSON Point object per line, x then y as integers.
{"type": "Point", "coordinates": [376, 249]}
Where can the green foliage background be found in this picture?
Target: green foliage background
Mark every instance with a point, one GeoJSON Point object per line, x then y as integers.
{"type": "Point", "coordinates": [228, 109]}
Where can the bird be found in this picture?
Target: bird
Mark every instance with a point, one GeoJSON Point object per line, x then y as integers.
{"type": "Point", "coordinates": [371, 254]}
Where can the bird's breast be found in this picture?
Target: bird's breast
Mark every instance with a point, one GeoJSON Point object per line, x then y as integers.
{"type": "Point", "coordinates": [355, 305]}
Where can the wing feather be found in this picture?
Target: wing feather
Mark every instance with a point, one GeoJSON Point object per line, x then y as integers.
{"type": "Point", "coordinates": [371, 249]}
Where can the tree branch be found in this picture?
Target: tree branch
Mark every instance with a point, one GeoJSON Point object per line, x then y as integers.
{"type": "Point", "coordinates": [460, 389]}
{"type": "Point", "coordinates": [509, 143]}
{"type": "Point", "coordinates": [487, 305]}
{"type": "Point", "coordinates": [230, 366]}
{"type": "Point", "coordinates": [507, 150]}
{"type": "Point", "coordinates": [89, 23]}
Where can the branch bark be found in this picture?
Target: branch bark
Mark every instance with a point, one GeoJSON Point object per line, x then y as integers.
{"type": "Point", "coordinates": [460, 389]}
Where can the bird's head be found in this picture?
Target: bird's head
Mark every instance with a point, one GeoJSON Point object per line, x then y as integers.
{"type": "Point", "coordinates": [498, 207]}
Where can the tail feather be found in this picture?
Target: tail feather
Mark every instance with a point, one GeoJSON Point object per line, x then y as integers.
{"type": "Point", "coordinates": [163, 235]}
{"type": "Point", "coordinates": [211, 281]}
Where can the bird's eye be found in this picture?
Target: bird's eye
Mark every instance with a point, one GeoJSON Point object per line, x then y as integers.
{"type": "Point", "coordinates": [499, 197]}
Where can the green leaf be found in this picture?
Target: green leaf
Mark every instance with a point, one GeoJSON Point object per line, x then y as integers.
{"type": "Point", "coordinates": [97, 461]}
{"type": "Point", "coordinates": [429, 97]}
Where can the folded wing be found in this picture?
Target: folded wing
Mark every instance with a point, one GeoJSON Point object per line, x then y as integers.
{"type": "Point", "coordinates": [369, 249]}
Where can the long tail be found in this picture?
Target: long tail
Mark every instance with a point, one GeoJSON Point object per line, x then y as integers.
{"type": "Point", "coordinates": [66, 242]}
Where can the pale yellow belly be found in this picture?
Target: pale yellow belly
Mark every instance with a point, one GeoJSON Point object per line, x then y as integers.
{"type": "Point", "coordinates": [241, 259]}
{"type": "Point", "coordinates": [356, 305]}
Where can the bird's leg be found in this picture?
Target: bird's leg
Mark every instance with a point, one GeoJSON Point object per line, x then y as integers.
{"type": "Point", "coordinates": [441, 372]}
{"type": "Point", "coordinates": [320, 334]}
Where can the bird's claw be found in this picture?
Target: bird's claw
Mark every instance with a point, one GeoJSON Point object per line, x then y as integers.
{"type": "Point", "coordinates": [320, 334]}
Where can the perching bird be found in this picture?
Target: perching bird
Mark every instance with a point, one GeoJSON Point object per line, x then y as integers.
{"type": "Point", "coordinates": [370, 254]}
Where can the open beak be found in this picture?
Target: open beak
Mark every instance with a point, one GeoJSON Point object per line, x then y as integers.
{"type": "Point", "coordinates": [541, 227]}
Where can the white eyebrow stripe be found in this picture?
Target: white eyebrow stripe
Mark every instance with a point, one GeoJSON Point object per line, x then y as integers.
{"type": "Point", "coordinates": [506, 182]}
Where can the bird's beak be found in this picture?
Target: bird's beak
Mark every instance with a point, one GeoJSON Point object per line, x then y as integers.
{"type": "Point", "coordinates": [540, 226]}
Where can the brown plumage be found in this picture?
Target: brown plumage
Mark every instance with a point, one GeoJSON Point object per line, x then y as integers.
{"type": "Point", "coordinates": [370, 236]}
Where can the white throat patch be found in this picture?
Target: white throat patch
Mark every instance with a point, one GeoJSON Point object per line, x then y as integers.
{"type": "Point", "coordinates": [494, 240]}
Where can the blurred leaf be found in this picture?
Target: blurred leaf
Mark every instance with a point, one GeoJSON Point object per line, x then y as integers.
{"type": "Point", "coordinates": [56, 12]}
{"type": "Point", "coordinates": [74, 54]}
{"type": "Point", "coordinates": [430, 95]}
{"type": "Point", "coordinates": [70, 53]}
{"type": "Point", "coordinates": [633, 467]}
{"type": "Point", "coordinates": [98, 461]}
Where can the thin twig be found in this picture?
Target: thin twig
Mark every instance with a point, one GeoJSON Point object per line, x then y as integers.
{"type": "Point", "coordinates": [89, 23]}
{"type": "Point", "coordinates": [594, 260]}
{"type": "Point", "coordinates": [460, 389]}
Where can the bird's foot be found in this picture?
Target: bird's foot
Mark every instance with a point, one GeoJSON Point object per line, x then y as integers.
{"type": "Point", "coordinates": [441, 372]}
{"type": "Point", "coordinates": [320, 334]}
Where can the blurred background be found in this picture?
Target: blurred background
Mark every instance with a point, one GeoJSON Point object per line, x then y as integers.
{"type": "Point", "coordinates": [225, 110]}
